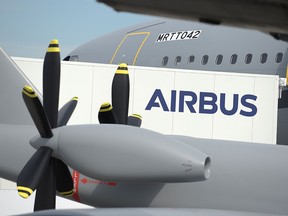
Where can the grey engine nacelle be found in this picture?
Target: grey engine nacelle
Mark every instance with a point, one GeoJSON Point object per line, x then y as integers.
{"type": "Point", "coordinates": [126, 154]}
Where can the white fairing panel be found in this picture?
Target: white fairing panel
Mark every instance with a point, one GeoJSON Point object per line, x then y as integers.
{"type": "Point", "coordinates": [216, 105]}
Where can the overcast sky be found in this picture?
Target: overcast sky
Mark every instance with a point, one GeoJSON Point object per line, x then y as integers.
{"type": "Point", "coordinates": [28, 26]}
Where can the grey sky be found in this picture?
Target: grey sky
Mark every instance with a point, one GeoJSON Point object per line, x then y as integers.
{"type": "Point", "coordinates": [28, 26]}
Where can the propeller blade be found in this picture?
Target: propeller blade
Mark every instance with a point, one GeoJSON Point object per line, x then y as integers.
{"type": "Point", "coordinates": [37, 112]}
{"type": "Point", "coordinates": [45, 196]}
{"type": "Point", "coordinates": [32, 173]}
{"type": "Point", "coordinates": [64, 182]}
{"type": "Point", "coordinates": [66, 112]}
{"type": "Point", "coordinates": [46, 191]}
{"type": "Point", "coordinates": [106, 114]}
{"type": "Point", "coordinates": [40, 171]}
{"type": "Point", "coordinates": [51, 82]}
{"type": "Point", "coordinates": [120, 93]}
{"type": "Point", "coordinates": [135, 120]}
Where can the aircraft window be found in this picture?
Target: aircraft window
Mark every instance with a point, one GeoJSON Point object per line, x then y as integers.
{"type": "Point", "coordinates": [66, 58]}
{"type": "Point", "coordinates": [74, 58]}
{"type": "Point", "coordinates": [263, 58]}
{"type": "Point", "coordinates": [191, 59]}
{"type": "Point", "coordinates": [205, 59]}
{"type": "Point", "coordinates": [177, 60]}
{"type": "Point", "coordinates": [233, 59]}
{"type": "Point", "coordinates": [248, 58]}
{"type": "Point", "coordinates": [279, 57]}
{"type": "Point", "coordinates": [219, 59]}
{"type": "Point", "coordinates": [165, 61]}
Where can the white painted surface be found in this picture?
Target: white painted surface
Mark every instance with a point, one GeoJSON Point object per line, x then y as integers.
{"type": "Point", "coordinates": [92, 84]}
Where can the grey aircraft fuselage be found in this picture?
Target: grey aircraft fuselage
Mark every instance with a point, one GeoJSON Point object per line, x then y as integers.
{"type": "Point", "coordinates": [244, 177]}
{"type": "Point", "coordinates": [171, 43]}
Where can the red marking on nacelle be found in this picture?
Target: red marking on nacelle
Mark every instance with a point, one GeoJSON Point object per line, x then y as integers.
{"type": "Point", "coordinates": [84, 180]}
{"type": "Point", "coordinates": [76, 176]}
{"type": "Point", "coordinates": [93, 181]}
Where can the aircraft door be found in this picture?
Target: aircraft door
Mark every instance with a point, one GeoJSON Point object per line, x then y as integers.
{"type": "Point", "coordinates": [129, 48]}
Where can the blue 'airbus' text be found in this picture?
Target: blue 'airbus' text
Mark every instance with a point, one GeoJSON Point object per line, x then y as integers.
{"type": "Point", "coordinates": [204, 103]}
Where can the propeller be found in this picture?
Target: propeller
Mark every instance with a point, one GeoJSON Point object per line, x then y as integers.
{"type": "Point", "coordinates": [120, 93]}
{"type": "Point", "coordinates": [106, 114]}
{"type": "Point", "coordinates": [42, 171]}
{"type": "Point", "coordinates": [66, 111]}
{"type": "Point", "coordinates": [134, 120]}
{"type": "Point", "coordinates": [117, 113]}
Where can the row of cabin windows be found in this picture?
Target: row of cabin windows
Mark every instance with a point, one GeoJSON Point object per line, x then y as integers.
{"type": "Point", "coordinates": [219, 59]}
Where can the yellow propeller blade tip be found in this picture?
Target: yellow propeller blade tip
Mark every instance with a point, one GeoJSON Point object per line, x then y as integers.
{"type": "Point", "coordinates": [123, 65]}
{"type": "Point", "coordinates": [105, 104]}
{"type": "Point", "coordinates": [53, 46]}
{"type": "Point", "coordinates": [105, 107]}
{"type": "Point", "coordinates": [28, 89]}
{"type": "Point", "coordinates": [122, 69]}
{"type": "Point", "coordinates": [54, 41]}
{"type": "Point", "coordinates": [23, 195]}
{"type": "Point", "coordinates": [24, 192]}
{"type": "Point", "coordinates": [137, 116]}
{"type": "Point", "coordinates": [67, 193]}
{"type": "Point", "coordinates": [75, 98]}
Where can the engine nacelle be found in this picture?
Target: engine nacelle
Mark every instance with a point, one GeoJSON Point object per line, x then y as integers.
{"type": "Point", "coordinates": [126, 154]}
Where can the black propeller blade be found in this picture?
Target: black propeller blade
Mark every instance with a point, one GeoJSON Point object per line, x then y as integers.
{"type": "Point", "coordinates": [120, 93]}
{"type": "Point", "coordinates": [34, 171]}
{"type": "Point", "coordinates": [37, 112]}
{"type": "Point", "coordinates": [66, 111]}
{"type": "Point", "coordinates": [64, 182]}
{"type": "Point", "coordinates": [46, 195]}
{"type": "Point", "coordinates": [106, 114]}
{"type": "Point", "coordinates": [51, 88]}
{"type": "Point", "coordinates": [42, 171]}
{"type": "Point", "coordinates": [135, 120]}
{"type": "Point", "coordinates": [51, 82]}
{"type": "Point", "coordinates": [29, 178]}
{"type": "Point", "coordinates": [63, 178]}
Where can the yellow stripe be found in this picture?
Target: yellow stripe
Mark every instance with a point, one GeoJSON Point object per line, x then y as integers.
{"type": "Point", "coordinates": [138, 51]}
{"type": "Point", "coordinates": [105, 104]}
{"type": "Point", "coordinates": [23, 194]}
{"type": "Point", "coordinates": [118, 48]}
{"type": "Point", "coordinates": [53, 49]}
{"type": "Point", "coordinates": [68, 193]}
{"type": "Point", "coordinates": [139, 33]}
{"type": "Point", "coordinates": [54, 41]}
{"type": "Point", "coordinates": [27, 90]}
{"type": "Point", "coordinates": [75, 98]}
{"type": "Point", "coordinates": [122, 69]}
{"type": "Point", "coordinates": [105, 107]}
{"type": "Point", "coordinates": [122, 72]}
{"type": "Point", "coordinates": [105, 110]}
{"type": "Point", "coordinates": [122, 65]}
{"type": "Point", "coordinates": [137, 116]}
